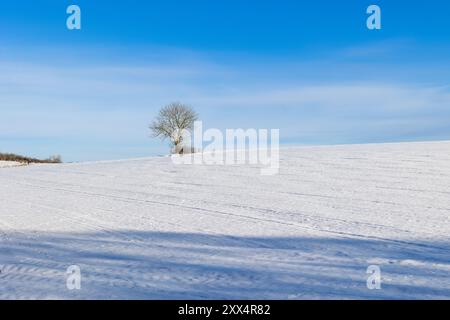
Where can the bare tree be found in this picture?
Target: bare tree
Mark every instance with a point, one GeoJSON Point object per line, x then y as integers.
{"type": "Point", "coordinates": [171, 123]}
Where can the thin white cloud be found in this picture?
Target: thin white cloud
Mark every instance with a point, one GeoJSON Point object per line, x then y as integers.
{"type": "Point", "coordinates": [115, 101]}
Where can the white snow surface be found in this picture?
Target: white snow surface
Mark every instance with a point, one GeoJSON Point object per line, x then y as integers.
{"type": "Point", "coordinates": [7, 164]}
{"type": "Point", "coordinates": [150, 229]}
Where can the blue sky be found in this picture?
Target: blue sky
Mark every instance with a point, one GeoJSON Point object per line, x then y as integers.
{"type": "Point", "coordinates": [311, 69]}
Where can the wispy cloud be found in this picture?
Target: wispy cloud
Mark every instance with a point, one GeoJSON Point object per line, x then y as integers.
{"type": "Point", "coordinates": [110, 102]}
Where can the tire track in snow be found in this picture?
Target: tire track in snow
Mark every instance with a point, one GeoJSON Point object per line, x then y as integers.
{"type": "Point", "coordinates": [252, 218]}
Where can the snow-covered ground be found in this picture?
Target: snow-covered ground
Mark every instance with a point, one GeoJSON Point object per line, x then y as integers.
{"type": "Point", "coordinates": [7, 164]}
{"type": "Point", "coordinates": [150, 229]}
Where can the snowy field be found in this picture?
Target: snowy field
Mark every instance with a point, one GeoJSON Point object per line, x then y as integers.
{"type": "Point", "coordinates": [149, 229]}
{"type": "Point", "coordinates": [7, 164]}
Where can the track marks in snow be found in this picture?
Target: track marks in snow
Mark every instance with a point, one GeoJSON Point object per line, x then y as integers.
{"type": "Point", "coordinates": [149, 229]}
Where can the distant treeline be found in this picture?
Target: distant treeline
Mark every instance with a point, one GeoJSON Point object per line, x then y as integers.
{"type": "Point", "coordinates": [22, 159]}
